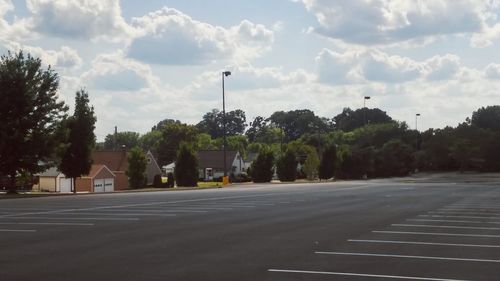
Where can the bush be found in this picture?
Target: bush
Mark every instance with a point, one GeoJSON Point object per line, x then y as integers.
{"type": "Point", "coordinates": [170, 180]}
{"type": "Point", "coordinates": [186, 167]}
{"type": "Point", "coordinates": [287, 166]}
{"type": "Point", "coordinates": [136, 171]}
{"type": "Point", "coordinates": [327, 164]}
{"type": "Point", "coordinates": [262, 167]}
{"type": "Point", "coordinates": [311, 165]}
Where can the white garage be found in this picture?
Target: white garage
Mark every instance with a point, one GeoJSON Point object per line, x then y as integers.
{"type": "Point", "coordinates": [65, 185]}
{"type": "Point", "coordinates": [104, 185]}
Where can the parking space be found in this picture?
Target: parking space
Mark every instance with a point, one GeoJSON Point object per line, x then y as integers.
{"type": "Point", "coordinates": [91, 212]}
{"type": "Point", "coordinates": [459, 241]}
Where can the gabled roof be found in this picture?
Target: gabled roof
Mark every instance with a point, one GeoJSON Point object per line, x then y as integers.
{"type": "Point", "coordinates": [95, 169]}
{"type": "Point", "coordinates": [214, 158]}
{"type": "Point", "coordinates": [51, 172]}
{"type": "Point", "coordinates": [114, 160]}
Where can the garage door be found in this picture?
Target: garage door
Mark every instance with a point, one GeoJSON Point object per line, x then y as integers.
{"type": "Point", "coordinates": [99, 185]}
{"type": "Point", "coordinates": [65, 185]}
{"type": "Point", "coordinates": [109, 185]}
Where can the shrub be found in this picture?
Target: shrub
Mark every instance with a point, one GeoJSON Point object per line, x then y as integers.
{"type": "Point", "coordinates": [262, 167]}
{"type": "Point", "coordinates": [287, 166]}
{"type": "Point", "coordinates": [186, 167]}
{"type": "Point", "coordinates": [327, 164]}
{"type": "Point", "coordinates": [137, 163]}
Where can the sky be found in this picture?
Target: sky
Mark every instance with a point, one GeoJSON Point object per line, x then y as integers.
{"type": "Point", "coordinates": [145, 61]}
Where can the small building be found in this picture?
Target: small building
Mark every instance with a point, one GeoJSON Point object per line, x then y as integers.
{"type": "Point", "coordinates": [211, 163]}
{"type": "Point", "coordinates": [52, 180]}
{"type": "Point", "coordinates": [99, 179]}
{"type": "Point", "coordinates": [117, 162]}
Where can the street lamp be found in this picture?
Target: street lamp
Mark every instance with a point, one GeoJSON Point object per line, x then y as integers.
{"type": "Point", "coordinates": [416, 130]}
{"type": "Point", "coordinates": [364, 106]}
{"type": "Point", "coordinates": [224, 74]}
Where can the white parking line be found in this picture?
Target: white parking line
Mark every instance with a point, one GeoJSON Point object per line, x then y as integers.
{"type": "Point", "coordinates": [465, 213]}
{"type": "Point", "coordinates": [463, 217]}
{"type": "Point", "coordinates": [454, 221]}
{"type": "Point", "coordinates": [110, 214]}
{"type": "Point", "coordinates": [186, 210]}
{"type": "Point", "coordinates": [17, 230]}
{"type": "Point", "coordinates": [445, 226]}
{"type": "Point", "coordinates": [436, 233]}
{"type": "Point", "coordinates": [423, 243]}
{"type": "Point", "coordinates": [405, 256]}
{"type": "Point", "coordinates": [482, 210]}
{"type": "Point", "coordinates": [361, 275]}
{"type": "Point", "coordinates": [73, 218]}
{"type": "Point", "coordinates": [48, 223]}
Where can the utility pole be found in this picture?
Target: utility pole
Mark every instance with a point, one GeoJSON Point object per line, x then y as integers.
{"type": "Point", "coordinates": [224, 74]}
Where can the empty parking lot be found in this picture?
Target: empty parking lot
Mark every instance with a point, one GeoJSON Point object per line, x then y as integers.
{"type": "Point", "coordinates": [367, 230]}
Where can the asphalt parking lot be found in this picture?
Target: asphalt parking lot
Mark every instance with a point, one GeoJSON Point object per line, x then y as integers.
{"type": "Point", "coordinates": [366, 230]}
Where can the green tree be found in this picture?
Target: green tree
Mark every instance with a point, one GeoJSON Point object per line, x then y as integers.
{"type": "Point", "coordinates": [487, 118]}
{"type": "Point", "coordinates": [127, 139]}
{"type": "Point", "coordinates": [463, 151]}
{"type": "Point", "coordinates": [172, 135]}
{"type": "Point", "coordinates": [311, 165]}
{"type": "Point", "coordinates": [355, 161]}
{"type": "Point", "coordinates": [350, 119]}
{"type": "Point", "coordinates": [29, 115]}
{"type": "Point", "coordinates": [395, 158]}
{"type": "Point", "coordinates": [212, 123]}
{"type": "Point", "coordinates": [296, 123]}
{"type": "Point", "coordinates": [286, 166]}
{"type": "Point", "coordinates": [150, 141]}
{"type": "Point", "coordinates": [327, 164]}
{"type": "Point", "coordinates": [186, 166]}
{"type": "Point", "coordinates": [77, 159]}
{"type": "Point", "coordinates": [164, 123]}
{"type": "Point", "coordinates": [262, 167]}
{"type": "Point", "coordinates": [136, 170]}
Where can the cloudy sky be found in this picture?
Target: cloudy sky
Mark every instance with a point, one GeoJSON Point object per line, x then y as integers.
{"type": "Point", "coordinates": [144, 61]}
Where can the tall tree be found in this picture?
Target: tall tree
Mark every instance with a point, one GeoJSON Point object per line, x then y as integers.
{"type": "Point", "coordinates": [186, 166]}
{"type": "Point", "coordinates": [311, 165]}
{"type": "Point", "coordinates": [172, 136]}
{"type": "Point", "coordinates": [296, 123]}
{"type": "Point", "coordinates": [136, 170]}
{"type": "Point", "coordinates": [350, 119]}
{"type": "Point", "coordinates": [77, 160]}
{"type": "Point", "coordinates": [212, 123]}
{"type": "Point", "coordinates": [150, 141]}
{"type": "Point", "coordinates": [164, 123]}
{"type": "Point", "coordinates": [327, 164]}
{"type": "Point", "coordinates": [127, 139]}
{"type": "Point", "coordinates": [487, 118]}
{"type": "Point", "coordinates": [286, 166]}
{"type": "Point", "coordinates": [29, 115]}
{"type": "Point", "coordinates": [262, 168]}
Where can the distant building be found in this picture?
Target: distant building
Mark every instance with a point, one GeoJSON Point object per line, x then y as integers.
{"type": "Point", "coordinates": [211, 163]}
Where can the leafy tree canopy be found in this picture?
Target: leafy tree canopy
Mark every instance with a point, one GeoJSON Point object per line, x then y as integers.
{"type": "Point", "coordinates": [350, 119]}
{"type": "Point", "coordinates": [30, 114]}
{"type": "Point", "coordinates": [127, 139]}
{"type": "Point", "coordinates": [136, 171]}
{"type": "Point", "coordinates": [172, 136]}
{"type": "Point", "coordinates": [487, 118]}
{"type": "Point", "coordinates": [212, 123]}
{"type": "Point", "coordinates": [296, 123]}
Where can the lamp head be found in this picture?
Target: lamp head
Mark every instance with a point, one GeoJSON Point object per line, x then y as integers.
{"type": "Point", "coordinates": [226, 73]}
{"type": "Point", "coordinates": [367, 98]}
{"type": "Point", "coordinates": [418, 114]}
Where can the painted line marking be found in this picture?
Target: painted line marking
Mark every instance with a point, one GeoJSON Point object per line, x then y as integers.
{"type": "Point", "coordinates": [423, 243]}
{"type": "Point", "coordinates": [463, 217]}
{"type": "Point", "coordinates": [465, 213]}
{"type": "Point", "coordinates": [455, 221]}
{"type": "Point", "coordinates": [48, 223]}
{"type": "Point", "coordinates": [360, 275]}
{"type": "Point", "coordinates": [110, 214]}
{"type": "Point", "coordinates": [405, 256]}
{"type": "Point", "coordinates": [437, 234]}
{"type": "Point", "coordinates": [482, 210]}
{"type": "Point", "coordinates": [73, 218]}
{"type": "Point", "coordinates": [445, 226]}
{"type": "Point", "coordinates": [17, 230]}
{"type": "Point", "coordinates": [186, 210]}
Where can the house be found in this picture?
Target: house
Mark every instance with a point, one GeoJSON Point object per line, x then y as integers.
{"type": "Point", "coordinates": [99, 179]}
{"type": "Point", "coordinates": [117, 162]}
{"type": "Point", "coordinates": [211, 163]}
{"type": "Point", "coordinates": [52, 180]}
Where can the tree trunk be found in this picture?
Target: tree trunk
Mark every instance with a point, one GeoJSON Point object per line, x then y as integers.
{"type": "Point", "coordinates": [73, 180]}
{"type": "Point", "coordinates": [12, 186]}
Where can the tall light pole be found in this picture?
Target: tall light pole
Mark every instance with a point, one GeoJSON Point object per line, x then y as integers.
{"type": "Point", "coordinates": [416, 130]}
{"type": "Point", "coordinates": [224, 74]}
{"type": "Point", "coordinates": [364, 106]}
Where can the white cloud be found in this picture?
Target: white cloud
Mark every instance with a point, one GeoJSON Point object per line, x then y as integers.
{"type": "Point", "coordinates": [357, 66]}
{"type": "Point", "coordinates": [492, 71]}
{"type": "Point", "coordinates": [170, 37]}
{"type": "Point", "coordinates": [65, 58]}
{"type": "Point", "coordinates": [82, 19]}
{"type": "Point", "coordinates": [389, 21]}
{"type": "Point", "coordinates": [17, 29]}
{"type": "Point", "coordinates": [114, 72]}
{"type": "Point", "coordinates": [442, 67]}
